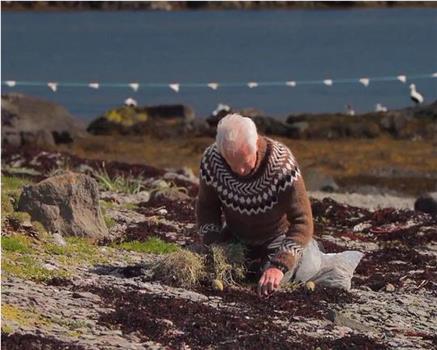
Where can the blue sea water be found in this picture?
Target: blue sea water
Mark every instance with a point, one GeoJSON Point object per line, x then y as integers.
{"type": "Point", "coordinates": [223, 46]}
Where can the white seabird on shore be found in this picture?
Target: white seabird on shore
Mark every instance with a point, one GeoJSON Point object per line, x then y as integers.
{"type": "Point", "coordinates": [349, 110]}
{"type": "Point", "coordinates": [415, 96]}
{"type": "Point", "coordinates": [130, 102]}
{"type": "Point", "coordinates": [380, 108]}
{"type": "Point", "coordinates": [221, 107]}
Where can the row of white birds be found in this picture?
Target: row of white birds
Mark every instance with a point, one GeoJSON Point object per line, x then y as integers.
{"type": "Point", "coordinates": [415, 96]}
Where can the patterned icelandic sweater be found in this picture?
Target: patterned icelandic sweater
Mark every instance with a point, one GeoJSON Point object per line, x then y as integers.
{"type": "Point", "coordinates": [258, 208]}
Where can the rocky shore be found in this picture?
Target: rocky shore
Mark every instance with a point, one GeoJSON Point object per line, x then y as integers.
{"type": "Point", "coordinates": [61, 291]}
{"type": "Point", "coordinates": [382, 153]}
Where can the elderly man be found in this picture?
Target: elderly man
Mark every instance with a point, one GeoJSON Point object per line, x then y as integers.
{"type": "Point", "coordinates": [255, 185]}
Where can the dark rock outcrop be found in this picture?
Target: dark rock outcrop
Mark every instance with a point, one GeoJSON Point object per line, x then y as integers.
{"type": "Point", "coordinates": [265, 125]}
{"type": "Point", "coordinates": [159, 121]}
{"type": "Point", "coordinates": [30, 120]}
{"type": "Point", "coordinates": [408, 123]}
{"type": "Point", "coordinates": [427, 203]}
{"type": "Point", "coordinates": [67, 204]}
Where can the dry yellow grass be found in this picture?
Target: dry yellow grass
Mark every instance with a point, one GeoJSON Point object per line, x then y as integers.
{"type": "Point", "coordinates": [344, 159]}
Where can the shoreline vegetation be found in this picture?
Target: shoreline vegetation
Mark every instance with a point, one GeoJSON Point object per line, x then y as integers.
{"type": "Point", "coordinates": [203, 5]}
{"type": "Point", "coordinates": [381, 153]}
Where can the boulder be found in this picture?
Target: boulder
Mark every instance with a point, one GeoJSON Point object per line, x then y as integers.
{"type": "Point", "coordinates": [316, 180]}
{"type": "Point", "coordinates": [30, 120]}
{"type": "Point", "coordinates": [427, 203]}
{"type": "Point", "coordinates": [394, 122]}
{"type": "Point", "coordinates": [272, 126]}
{"type": "Point", "coordinates": [297, 130]}
{"type": "Point", "coordinates": [67, 204]}
{"type": "Point", "coordinates": [160, 121]}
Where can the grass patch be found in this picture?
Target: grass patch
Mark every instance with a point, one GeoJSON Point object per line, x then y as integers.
{"type": "Point", "coordinates": [167, 189]}
{"type": "Point", "coordinates": [228, 263]}
{"type": "Point", "coordinates": [110, 222]}
{"type": "Point", "coordinates": [19, 244]}
{"type": "Point", "coordinates": [104, 205]}
{"type": "Point", "coordinates": [151, 245]}
{"type": "Point", "coordinates": [181, 268]}
{"type": "Point", "coordinates": [23, 258]}
{"type": "Point", "coordinates": [6, 329]}
{"type": "Point", "coordinates": [123, 184]}
{"type": "Point", "coordinates": [130, 206]}
{"type": "Point", "coordinates": [11, 187]}
{"type": "Point", "coordinates": [22, 317]}
{"type": "Point", "coordinates": [29, 268]}
{"type": "Point", "coordinates": [12, 184]}
{"type": "Point", "coordinates": [77, 251]}
{"type": "Point", "coordinates": [339, 158]}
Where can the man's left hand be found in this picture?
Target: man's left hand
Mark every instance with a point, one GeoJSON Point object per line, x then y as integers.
{"type": "Point", "coordinates": [269, 281]}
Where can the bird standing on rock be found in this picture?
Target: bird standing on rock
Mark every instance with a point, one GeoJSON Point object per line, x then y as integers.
{"type": "Point", "coordinates": [130, 102]}
{"type": "Point", "coordinates": [415, 96]}
{"type": "Point", "coordinates": [349, 110]}
{"type": "Point", "coordinates": [380, 108]}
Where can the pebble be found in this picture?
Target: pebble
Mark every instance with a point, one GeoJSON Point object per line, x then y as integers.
{"type": "Point", "coordinates": [389, 287]}
{"type": "Point", "coordinates": [162, 211]}
{"type": "Point", "coordinates": [59, 240]}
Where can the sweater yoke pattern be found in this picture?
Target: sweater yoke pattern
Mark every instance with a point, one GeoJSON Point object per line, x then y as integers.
{"type": "Point", "coordinates": [255, 195]}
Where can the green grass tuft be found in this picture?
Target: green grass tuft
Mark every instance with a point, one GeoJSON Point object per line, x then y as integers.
{"type": "Point", "coordinates": [29, 268]}
{"type": "Point", "coordinates": [13, 183]}
{"type": "Point", "coordinates": [152, 245]}
{"type": "Point", "coordinates": [23, 317]}
{"type": "Point", "coordinates": [10, 192]}
{"type": "Point", "coordinates": [123, 184]}
{"type": "Point", "coordinates": [19, 244]}
{"type": "Point", "coordinates": [110, 222]}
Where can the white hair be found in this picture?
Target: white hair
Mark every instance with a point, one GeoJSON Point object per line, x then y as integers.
{"type": "Point", "coordinates": [235, 131]}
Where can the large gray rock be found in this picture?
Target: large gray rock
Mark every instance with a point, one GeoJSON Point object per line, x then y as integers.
{"type": "Point", "coordinates": [427, 203]}
{"type": "Point", "coordinates": [30, 120]}
{"type": "Point", "coordinates": [67, 204]}
{"type": "Point", "coordinates": [316, 180]}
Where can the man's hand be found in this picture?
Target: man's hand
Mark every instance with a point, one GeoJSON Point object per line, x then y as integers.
{"type": "Point", "coordinates": [269, 281]}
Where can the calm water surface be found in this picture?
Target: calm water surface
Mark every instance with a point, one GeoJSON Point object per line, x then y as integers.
{"type": "Point", "coordinates": [203, 46]}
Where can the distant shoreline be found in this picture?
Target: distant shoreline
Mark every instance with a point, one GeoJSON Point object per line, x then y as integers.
{"type": "Point", "coordinates": [43, 6]}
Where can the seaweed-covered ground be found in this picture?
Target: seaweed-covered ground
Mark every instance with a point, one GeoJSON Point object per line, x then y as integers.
{"type": "Point", "coordinates": [86, 296]}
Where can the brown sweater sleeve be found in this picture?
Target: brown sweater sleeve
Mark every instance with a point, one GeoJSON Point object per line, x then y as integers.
{"type": "Point", "coordinates": [208, 213]}
{"type": "Point", "coordinates": [301, 228]}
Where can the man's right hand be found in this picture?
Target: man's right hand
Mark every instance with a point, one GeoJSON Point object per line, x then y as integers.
{"type": "Point", "coordinates": [269, 281]}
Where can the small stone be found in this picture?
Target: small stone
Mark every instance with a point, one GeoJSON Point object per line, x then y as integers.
{"type": "Point", "coordinates": [389, 287]}
{"type": "Point", "coordinates": [49, 267]}
{"type": "Point", "coordinates": [310, 286]}
{"type": "Point", "coordinates": [59, 240]}
{"type": "Point", "coordinates": [217, 285]}
{"type": "Point", "coordinates": [167, 322]}
{"type": "Point", "coordinates": [162, 211]}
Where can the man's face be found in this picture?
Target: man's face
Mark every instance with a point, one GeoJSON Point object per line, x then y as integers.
{"type": "Point", "coordinates": [242, 161]}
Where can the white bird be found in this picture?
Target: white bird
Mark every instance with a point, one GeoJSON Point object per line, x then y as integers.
{"type": "Point", "coordinates": [380, 108]}
{"type": "Point", "coordinates": [415, 96]}
{"type": "Point", "coordinates": [349, 110]}
{"type": "Point", "coordinates": [130, 102]}
{"type": "Point", "coordinates": [221, 107]}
